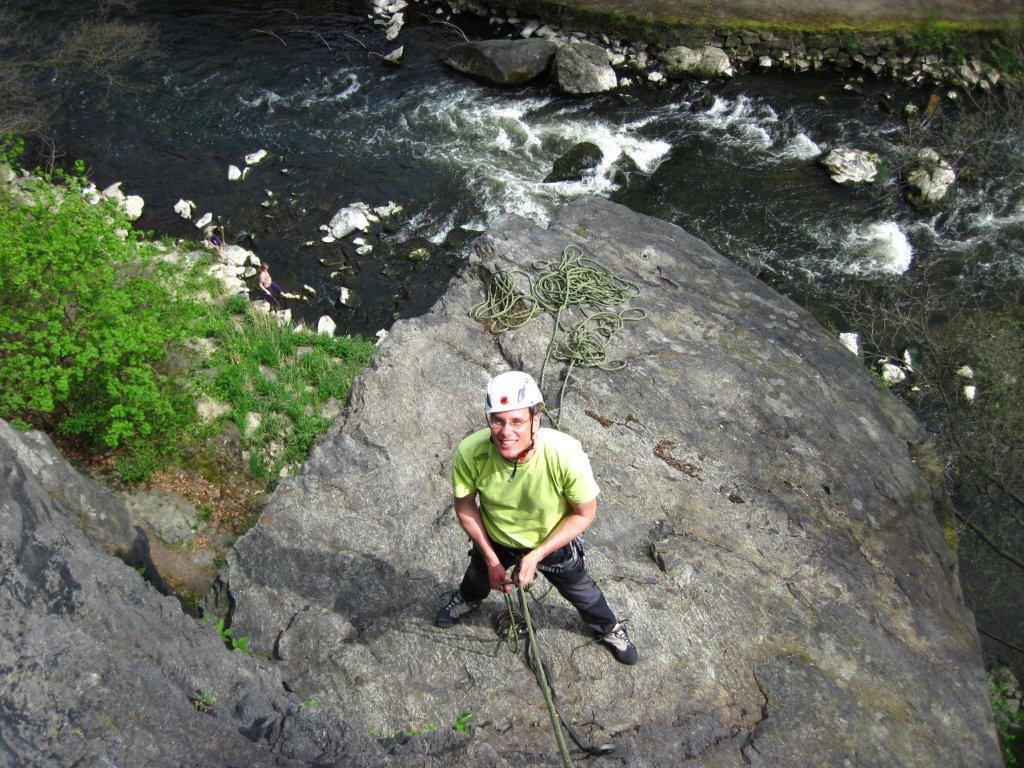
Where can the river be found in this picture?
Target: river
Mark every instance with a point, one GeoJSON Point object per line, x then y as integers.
{"type": "Point", "coordinates": [733, 162]}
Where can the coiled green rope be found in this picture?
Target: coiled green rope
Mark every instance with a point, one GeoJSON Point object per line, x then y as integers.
{"type": "Point", "coordinates": [575, 282]}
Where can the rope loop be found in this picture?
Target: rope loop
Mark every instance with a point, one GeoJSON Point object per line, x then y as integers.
{"type": "Point", "coordinates": [575, 284]}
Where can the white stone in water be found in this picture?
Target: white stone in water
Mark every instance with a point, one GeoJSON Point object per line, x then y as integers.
{"type": "Point", "coordinates": [965, 371]}
{"type": "Point", "coordinates": [326, 326]}
{"type": "Point", "coordinates": [344, 296]}
{"type": "Point", "coordinates": [234, 173]}
{"type": "Point", "coordinates": [390, 209]}
{"type": "Point", "coordinates": [616, 59]}
{"type": "Point", "coordinates": [133, 205]}
{"type": "Point", "coordinates": [765, 62]}
{"type": "Point", "coordinates": [398, 5]}
{"type": "Point", "coordinates": [929, 183]}
{"type": "Point", "coordinates": [397, 22]}
{"type": "Point", "coordinates": [529, 28]}
{"type": "Point", "coordinates": [326, 239]}
{"type": "Point", "coordinates": [970, 392]}
{"type": "Point", "coordinates": [255, 157]}
{"type": "Point", "coordinates": [851, 341]}
{"type": "Point", "coordinates": [364, 249]}
{"type": "Point", "coordinates": [203, 220]}
{"type": "Point", "coordinates": [655, 77]}
{"type": "Point", "coordinates": [184, 208]}
{"type": "Point", "coordinates": [309, 289]}
{"type": "Point", "coordinates": [854, 165]}
{"type": "Point", "coordinates": [395, 57]}
{"type": "Point", "coordinates": [349, 219]}
{"type": "Point", "coordinates": [358, 241]}
{"type": "Point", "coordinates": [892, 374]}
{"type": "Point", "coordinates": [625, 82]}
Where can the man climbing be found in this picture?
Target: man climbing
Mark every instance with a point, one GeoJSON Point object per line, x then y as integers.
{"type": "Point", "coordinates": [537, 495]}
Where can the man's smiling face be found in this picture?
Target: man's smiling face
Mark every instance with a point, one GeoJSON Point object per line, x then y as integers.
{"type": "Point", "coordinates": [512, 432]}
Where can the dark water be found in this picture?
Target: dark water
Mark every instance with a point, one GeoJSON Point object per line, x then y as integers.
{"type": "Point", "coordinates": [341, 126]}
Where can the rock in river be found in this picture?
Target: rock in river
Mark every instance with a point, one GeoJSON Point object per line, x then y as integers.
{"type": "Point", "coordinates": [809, 613]}
{"type": "Point", "coordinates": [502, 62]}
{"type": "Point", "coordinates": [576, 163]}
{"type": "Point", "coordinates": [582, 68]}
{"type": "Point", "coordinates": [929, 182]}
{"type": "Point", "coordinates": [851, 165]}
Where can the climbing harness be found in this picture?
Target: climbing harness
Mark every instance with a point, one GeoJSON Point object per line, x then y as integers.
{"type": "Point", "coordinates": [574, 283]}
{"type": "Point", "coordinates": [514, 624]}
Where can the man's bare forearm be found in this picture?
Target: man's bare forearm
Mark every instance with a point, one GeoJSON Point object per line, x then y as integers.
{"type": "Point", "coordinates": [471, 520]}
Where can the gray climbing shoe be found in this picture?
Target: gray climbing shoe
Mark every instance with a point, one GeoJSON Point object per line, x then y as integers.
{"type": "Point", "coordinates": [453, 610]}
{"type": "Point", "coordinates": [620, 645]}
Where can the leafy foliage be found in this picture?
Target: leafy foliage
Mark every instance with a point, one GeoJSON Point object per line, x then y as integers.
{"type": "Point", "coordinates": [266, 369]}
{"type": "Point", "coordinates": [1009, 717]}
{"type": "Point", "coordinates": [227, 637]}
{"type": "Point", "coordinates": [86, 315]}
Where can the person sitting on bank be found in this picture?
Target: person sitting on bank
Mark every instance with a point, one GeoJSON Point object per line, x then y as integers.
{"type": "Point", "coordinates": [267, 285]}
{"type": "Point", "coordinates": [537, 495]}
{"type": "Point", "coordinates": [217, 241]}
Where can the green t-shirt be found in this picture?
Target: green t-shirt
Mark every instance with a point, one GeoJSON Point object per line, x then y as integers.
{"type": "Point", "coordinates": [521, 513]}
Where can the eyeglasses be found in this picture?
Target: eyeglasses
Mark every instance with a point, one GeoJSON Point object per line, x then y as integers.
{"type": "Point", "coordinates": [516, 424]}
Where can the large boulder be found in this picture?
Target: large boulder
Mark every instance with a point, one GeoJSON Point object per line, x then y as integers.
{"type": "Point", "coordinates": [100, 669]}
{"type": "Point", "coordinates": [706, 61]}
{"type": "Point", "coordinates": [501, 62]}
{"type": "Point", "coordinates": [582, 68]}
{"type": "Point", "coordinates": [929, 180]}
{"type": "Point", "coordinates": [576, 163]}
{"type": "Point", "coordinates": [762, 526]}
{"type": "Point", "coordinates": [100, 513]}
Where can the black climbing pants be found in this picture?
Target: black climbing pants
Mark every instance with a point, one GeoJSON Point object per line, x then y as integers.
{"type": "Point", "coordinates": [565, 568]}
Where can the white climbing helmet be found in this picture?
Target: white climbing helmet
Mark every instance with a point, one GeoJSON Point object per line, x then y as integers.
{"type": "Point", "coordinates": [510, 391]}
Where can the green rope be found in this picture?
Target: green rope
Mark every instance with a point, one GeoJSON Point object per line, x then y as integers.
{"type": "Point", "coordinates": [574, 283]}
{"type": "Point", "coordinates": [538, 666]}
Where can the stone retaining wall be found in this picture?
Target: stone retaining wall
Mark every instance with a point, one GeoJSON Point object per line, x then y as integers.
{"type": "Point", "coordinates": [635, 45]}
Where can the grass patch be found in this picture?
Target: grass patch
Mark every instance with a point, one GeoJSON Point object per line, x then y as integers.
{"type": "Point", "coordinates": [276, 382]}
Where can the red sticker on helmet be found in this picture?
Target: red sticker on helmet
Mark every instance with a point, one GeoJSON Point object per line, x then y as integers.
{"type": "Point", "coordinates": [504, 399]}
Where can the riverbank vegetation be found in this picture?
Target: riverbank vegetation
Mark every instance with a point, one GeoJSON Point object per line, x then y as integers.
{"type": "Point", "coordinates": [109, 341]}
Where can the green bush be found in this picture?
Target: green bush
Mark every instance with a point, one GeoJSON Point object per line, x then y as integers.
{"type": "Point", "coordinates": [86, 316]}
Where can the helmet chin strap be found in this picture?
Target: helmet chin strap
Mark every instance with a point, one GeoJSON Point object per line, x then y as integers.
{"type": "Point", "coordinates": [515, 467]}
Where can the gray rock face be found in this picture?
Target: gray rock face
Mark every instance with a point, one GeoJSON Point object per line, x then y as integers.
{"type": "Point", "coordinates": [169, 515]}
{"type": "Point", "coordinates": [100, 669]}
{"type": "Point", "coordinates": [576, 163]}
{"type": "Point", "coordinates": [502, 62]}
{"type": "Point", "coordinates": [103, 515]}
{"type": "Point", "coordinates": [583, 68]}
{"type": "Point", "coordinates": [802, 609]}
